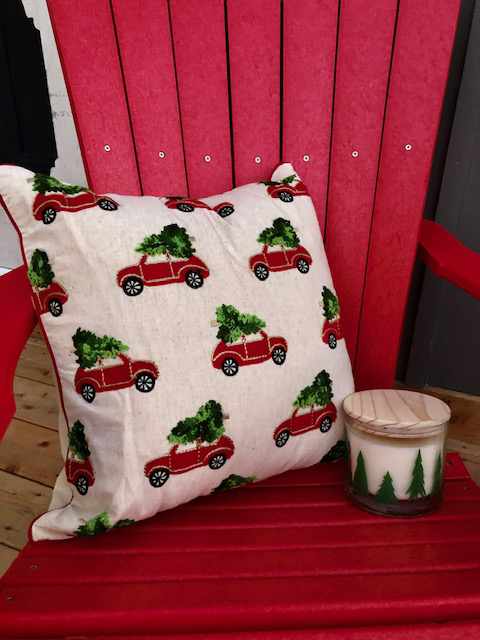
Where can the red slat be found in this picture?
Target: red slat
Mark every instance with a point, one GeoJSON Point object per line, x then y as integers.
{"type": "Point", "coordinates": [255, 86]}
{"type": "Point", "coordinates": [444, 631]}
{"type": "Point", "coordinates": [149, 73]}
{"type": "Point", "coordinates": [257, 603]}
{"type": "Point", "coordinates": [143, 539]}
{"type": "Point", "coordinates": [17, 320]}
{"type": "Point", "coordinates": [201, 63]}
{"type": "Point", "coordinates": [363, 62]}
{"type": "Point", "coordinates": [448, 258]}
{"type": "Point", "coordinates": [424, 38]}
{"type": "Point", "coordinates": [89, 55]}
{"type": "Point", "coordinates": [228, 565]}
{"type": "Point", "coordinates": [309, 40]}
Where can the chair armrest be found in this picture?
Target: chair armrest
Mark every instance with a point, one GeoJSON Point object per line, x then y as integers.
{"type": "Point", "coordinates": [16, 323]}
{"type": "Point", "coordinates": [448, 258]}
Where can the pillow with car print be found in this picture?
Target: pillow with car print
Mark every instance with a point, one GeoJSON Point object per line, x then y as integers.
{"type": "Point", "coordinates": [197, 342]}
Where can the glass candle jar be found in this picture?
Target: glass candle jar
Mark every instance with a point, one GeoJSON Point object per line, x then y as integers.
{"type": "Point", "coordinates": [396, 444]}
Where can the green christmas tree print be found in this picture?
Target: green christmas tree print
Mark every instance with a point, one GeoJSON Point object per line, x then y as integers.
{"type": "Point", "coordinates": [331, 307]}
{"type": "Point", "coordinates": [386, 492]}
{"type": "Point", "coordinates": [40, 272]}
{"type": "Point", "coordinates": [233, 481]}
{"type": "Point", "coordinates": [281, 233]}
{"type": "Point", "coordinates": [417, 484]}
{"type": "Point", "coordinates": [360, 482]}
{"type": "Point", "coordinates": [318, 393]}
{"type": "Point", "coordinates": [100, 524]}
{"type": "Point", "coordinates": [205, 426]}
{"type": "Point", "coordinates": [172, 241]}
{"type": "Point", "coordinates": [44, 184]}
{"type": "Point", "coordinates": [234, 325]}
{"type": "Point", "coordinates": [91, 349]}
{"type": "Point", "coordinates": [94, 526]}
{"type": "Point", "coordinates": [287, 180]}
{"type": "Point", "coordinates": [77, 442]}
{"type": "Point", "coordinates": [438, 475]}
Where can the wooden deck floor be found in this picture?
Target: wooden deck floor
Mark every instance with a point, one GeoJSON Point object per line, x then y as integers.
{"type": "Point", "coordinates": [30, 457]}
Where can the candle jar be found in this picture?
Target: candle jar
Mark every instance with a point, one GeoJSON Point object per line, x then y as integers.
{"type": "Point", "coordinates": [396, 445]}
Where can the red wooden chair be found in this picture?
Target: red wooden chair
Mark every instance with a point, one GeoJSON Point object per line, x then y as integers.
{"type": "Point", "coordinates": [193, 96]}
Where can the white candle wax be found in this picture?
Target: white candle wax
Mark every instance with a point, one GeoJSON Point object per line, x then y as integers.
{"type": "Point", "coordinates": [396, 456]}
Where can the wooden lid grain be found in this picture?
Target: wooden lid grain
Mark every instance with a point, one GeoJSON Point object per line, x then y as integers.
{"type": "Point", "coordinates": [398, 414]}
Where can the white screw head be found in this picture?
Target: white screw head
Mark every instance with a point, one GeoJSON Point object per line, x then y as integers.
{"type": "Point", "coordinates": [107, 147]}
{"type": "Point", "coordinates": [207, 158]}
{"type": "Point", "coordinates": [354, 154]}
{"type": "Point", "coordinates": [408, 147]}
{"type": "Point", "coordinates": [161, 154]}
{"type": "Point", "coordinates": [258, 159]}
{"type": "Point", "coordinates": [306, 157]}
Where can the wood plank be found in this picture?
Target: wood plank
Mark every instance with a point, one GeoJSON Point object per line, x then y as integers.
{"type": "Point", "coordinates": [255, 87]}
{"type": "Point", "coordinates": [36, 403]}
{"type": "Point", "coordinates": [32, 452]}
{"type": "Point", "coordinates": [35, 364]}
{"type": "Point", "coordinates": [7, 556]}
{"type": "Point", "coordinates": [22, 501]}
{"type": "Point", "coordinates": [363, 62]}
{"type": "Point", "coordinates": [309, 41]}
{"type": "Point", "coordinates": [93, 77]}
{"type": "Point", "coordinates": [198, 28]}
{"type": "Point", "coordinates": [423, 45]}
{"type": "Point", "coordinates": [150, 81]}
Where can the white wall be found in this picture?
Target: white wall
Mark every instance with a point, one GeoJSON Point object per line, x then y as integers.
{"type": "Point", "coordinates": [69, 166]}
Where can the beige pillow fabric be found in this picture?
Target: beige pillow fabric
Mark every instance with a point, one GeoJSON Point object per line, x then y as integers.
{"type": "Point", "coordinates": [197, 343]}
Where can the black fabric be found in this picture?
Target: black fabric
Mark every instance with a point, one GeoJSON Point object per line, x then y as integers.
{"type": "Point", "coordinates": [26, 127]}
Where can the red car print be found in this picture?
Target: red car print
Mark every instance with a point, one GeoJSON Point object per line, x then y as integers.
{"type": "Point", "coordinates": [229, 357]}
{"type": "Point", "coordinates": [127, 373]}
{"type": "Point", "coordinates": [332, 332]}
{"type": "Point", "coordinates": [213, 455]}
{"type": "Point", "coordinates": [287, 192]}
{"type": "Point", "coordinates": [280, 260]}
{"type": "Point", "coordinates": [80, 473]}
{"type": "Point", "coordinates": [187, 205]}
{"type": "Point", "coordinates": [51, 299]}
{"type": "Point", "coordinates": [297, 424]}
{"type": "Point", "coordinates": [132, 279]}
{"type": "Point", "coordinates": [47, 205]}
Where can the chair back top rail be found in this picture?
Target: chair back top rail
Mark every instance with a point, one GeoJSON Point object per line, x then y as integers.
{"type": "Point", "coordinates": [197, 96]}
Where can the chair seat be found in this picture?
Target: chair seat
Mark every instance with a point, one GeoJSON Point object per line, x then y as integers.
{"type": "Point", "coordinates": [290, 553]}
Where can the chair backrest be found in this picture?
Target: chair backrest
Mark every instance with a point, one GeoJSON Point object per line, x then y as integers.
{"type": "Point", "coordinates": [197, 96]}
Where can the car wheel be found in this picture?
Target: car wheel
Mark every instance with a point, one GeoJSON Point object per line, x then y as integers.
{"type": "Point", "coordinates": [230, 367]}
{"type": "Point", "coordinates": [303, 266]}
{"type": "Point", "coordinates": [82, 485]}
{"type": "Point", "coordinates": [332, 340]}
{"type": "Point", "coordinates": [225, 211]}
{"type": "Point", "coordinates": [217, 461]}
{"type": "Point", "coordinates": [285, 196]}
{"type": "Point", "coordinates": [185, 207]}
{"type": "Point", "coordinates": [55, 307]}
{"type": "Point", "coordinates": [278, 355]}
{"type": "Point", "coordinates": [326, 424]}
{"type": "Point", "coordinates": [158, 477]}
{"type": "Point", "coordinates": [282, 438]}
{"type": "Point", "coordinates": [132, 286]}
{"type": "Point", "coordinates": [49, 215]}
{"type": "Point", "coordinates": [88, 392]}
{"type": "Point", "coordinates": [144, 382]}
{"type": "Point", "coordinates": [194, 279]}
{"type": "Point", "coordinates": [261, 271]}
{"type": "Point", "coordinates": [107, 205]}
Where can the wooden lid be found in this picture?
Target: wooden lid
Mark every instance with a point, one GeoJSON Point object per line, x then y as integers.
{"type": "Point", "coordinates": [399, 414]}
